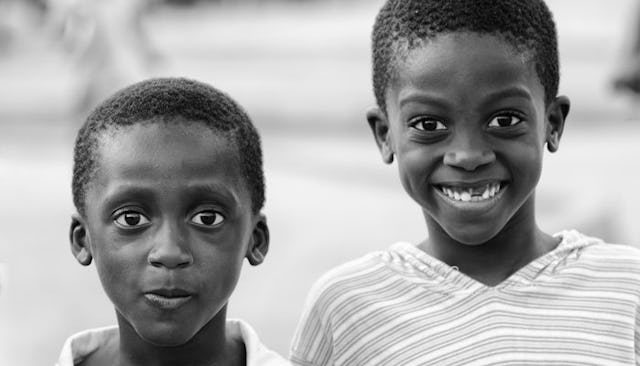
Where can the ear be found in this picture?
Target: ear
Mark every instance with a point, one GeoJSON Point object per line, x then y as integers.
{"type": "Point", "coordinates": [80, 240]}
{"type": "Point", "coordinates": [379, 124]}
{"type": "Point", "coordinates": [259, 244]}
{"type": "Point", "coordinates": [557, 112]}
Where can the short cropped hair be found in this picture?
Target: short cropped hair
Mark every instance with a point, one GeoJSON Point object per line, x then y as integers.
{"type": "Point", "coordinates": [402, 25]}
{"type": "Point", "coordinates": [163, 99]}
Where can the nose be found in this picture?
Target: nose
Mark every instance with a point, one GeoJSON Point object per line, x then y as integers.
{"type": "Point", "coordinates": [170, 249]}
{"type": "Point", "coordinates": [469, 153]}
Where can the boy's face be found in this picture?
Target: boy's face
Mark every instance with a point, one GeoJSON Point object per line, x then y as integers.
{"type": "Point", "coordinates": [168, 223]}
{"type": "Point", "coordinates": [467, 123]}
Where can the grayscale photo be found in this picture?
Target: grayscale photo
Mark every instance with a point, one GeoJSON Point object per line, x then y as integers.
{"type": "Point", "coordinates": [319, 182]}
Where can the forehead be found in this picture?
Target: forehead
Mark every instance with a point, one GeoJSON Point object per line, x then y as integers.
{"type": "Point", "coordinates": [465, 60]}
{"type": "Point", "coordinates": [167, 157]}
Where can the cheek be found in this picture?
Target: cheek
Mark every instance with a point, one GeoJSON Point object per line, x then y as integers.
{"type": "Point", "coordinates": [415, 164]}
{"type": "Point", "coordinates": [220, 271]}
{"type": "Point", "coordinates": [118, 263]}
{"type": "Point", "coordinates": [526, 162]}
{"type": "Point", "coordinates": [414, 167]}
{"type": "Point", "coordinates": [217, 287]}
{"type": "Point", "coordinates": [117, 270]}
{"type": "Point", "coordinates": [532, 153]}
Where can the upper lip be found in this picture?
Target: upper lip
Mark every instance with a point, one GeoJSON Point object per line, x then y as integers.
{"type": "Point", "coordinates": [170, 292]}
{"type": "Point", "coordinates": [469, 184]}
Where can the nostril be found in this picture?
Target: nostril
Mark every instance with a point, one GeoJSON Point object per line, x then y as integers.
{"type": "Point", "coordinates": [155, 263]}
{"type": "Point", "coordinates": [469, 160]}
{"type": "Point", "coordinates": [186, 263]}
{"type": "Point", "coordinates": [171, 256]}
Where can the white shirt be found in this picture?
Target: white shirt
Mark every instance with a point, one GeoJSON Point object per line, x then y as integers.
{"type": "Point", "coordinates": [80, 345]}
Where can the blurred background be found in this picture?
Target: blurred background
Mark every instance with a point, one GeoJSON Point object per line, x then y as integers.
{"type": "Point", "coordinates": [302, 70]}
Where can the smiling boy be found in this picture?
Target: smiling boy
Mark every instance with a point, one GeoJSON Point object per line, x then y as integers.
{"type": "Point", "coordinates": [467, 103]}
{"type": "Point", "coordinates": [168, 186]}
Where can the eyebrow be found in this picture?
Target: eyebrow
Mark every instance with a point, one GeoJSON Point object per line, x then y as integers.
{"type": "Point", "coordinates": [218, 191]}
{"type": "Point", "coordinates": [423, 97]}
{"type": "Point", "coordinates": [117, 195]}
{"type": "Point", "coordinates": [511, 92]}
{"type": "Point", "coordinates": [213, 189]}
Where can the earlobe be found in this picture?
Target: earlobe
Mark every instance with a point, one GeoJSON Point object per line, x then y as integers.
{"type": "Point", "coordinates": [379, 124]}
{"type": "Point", "coordinates": [80, 241]}
{"type": "Point", "coordinates": [259, 245]}
{"type": "Point", "coordinates": [557, 113]}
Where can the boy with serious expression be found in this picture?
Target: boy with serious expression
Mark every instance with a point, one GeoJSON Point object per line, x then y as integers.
{"type": "Point", "coordinates": [168, 214]}
{"type": "Point", "coordinates": [467, 103]}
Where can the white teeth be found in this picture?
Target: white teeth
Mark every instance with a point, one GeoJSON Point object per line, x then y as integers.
{"type": "Point", "coordinates": [468, 195]}
{"type": "Point", "coordinates": [465, 196]}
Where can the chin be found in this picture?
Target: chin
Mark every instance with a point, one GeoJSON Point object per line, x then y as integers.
{"type": "Point", "coordinates": [163, 336]}
{"type": "Point", "coordinates": [472, 236]}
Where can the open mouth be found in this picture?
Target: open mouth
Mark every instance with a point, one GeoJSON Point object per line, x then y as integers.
{"type": "Point", "coordinates": [479, 193]}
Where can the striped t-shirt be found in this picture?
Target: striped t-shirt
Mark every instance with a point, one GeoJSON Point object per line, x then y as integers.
{"type": "Point", "coordinates": [576, 305]}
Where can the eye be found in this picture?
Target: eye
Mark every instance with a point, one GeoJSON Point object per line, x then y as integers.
{"type": "Point", "coordinates": [131, 219]}
{"type": "Point", "coordinates": [207, 218]}
{"type": "Point", "coordinates": [427, 124]}
{"type": "Point", "coordinates": [504, 120]}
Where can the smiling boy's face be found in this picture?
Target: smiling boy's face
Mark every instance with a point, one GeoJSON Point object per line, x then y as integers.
{"type": "Point", "coordinates": [168, 223]}
{"type": "Point", "coordinates": [467, 123]}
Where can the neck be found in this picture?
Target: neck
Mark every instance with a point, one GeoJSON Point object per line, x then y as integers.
{"type": "Point", "coordinates": [210, 346]}
{"type": "Point", "coordinates": [518, 243]}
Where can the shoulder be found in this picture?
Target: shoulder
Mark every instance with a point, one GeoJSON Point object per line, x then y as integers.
{"type": "Point", "coordinates": [599, 256]}
{"type": "Point", "coordinates": [332, 298]}
{"type": "Point", "coordinates": [353, 274]}
{"type": "Point", "coordinates": [257, 353]}
{"type": "Point", "coordinates": [359, 279]}
{"type": "Point", "coordinates": [598, 248]}
{"type": "Point", "coordinates": [80, 346]}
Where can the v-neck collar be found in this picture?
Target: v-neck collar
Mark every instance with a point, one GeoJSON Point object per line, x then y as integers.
{"type": "Point", "coordinates": [434, 267]}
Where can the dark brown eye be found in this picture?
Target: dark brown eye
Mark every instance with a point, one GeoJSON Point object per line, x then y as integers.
{"type": "Point", "coordinates": [131, 219]}
{"type": "Point", "coordinates": [427, 124]}
{"type": "Point", "coordinates": [207, 218]}
{"type": "Point", "coordinates": [504, 121]}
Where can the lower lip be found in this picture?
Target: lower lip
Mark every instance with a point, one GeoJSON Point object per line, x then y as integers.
{"type": "Point", "coordinates": [167, 303]}
{"type": "Point", "coordinates": [481, 205]}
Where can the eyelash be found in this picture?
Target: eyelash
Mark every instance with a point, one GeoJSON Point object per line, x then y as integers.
{"type": "Point", "coordinates": [509, 114]}
{"type": "Point", "coordinates": [120, 219]}
{"type": "Point", "coordinates": [140, 220]}
{"type": "Point", "coordinates": [414, 122]}
{"type": "Point", "coordinates": [217, 216]}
